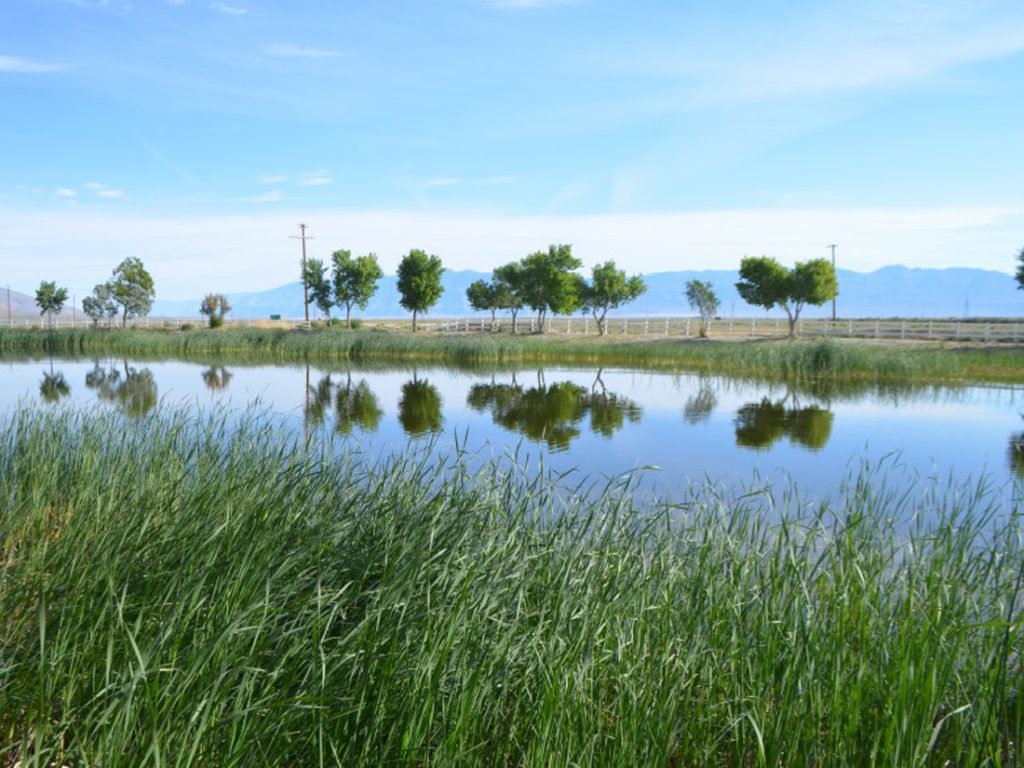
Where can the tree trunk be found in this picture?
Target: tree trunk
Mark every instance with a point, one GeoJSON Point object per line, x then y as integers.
{"type": "Point", "coordinates": [348, 316]}
{"type": "Point", "coordinates": [494, 314]}
{"type": "Point", "coordinates": [792, 323]}
{"type": "Point", "coordinates": [602, 326]}
{"type": "Point", "coordinates": [414, 321]}
{"type": "Point", "coordinates": [515, 316]}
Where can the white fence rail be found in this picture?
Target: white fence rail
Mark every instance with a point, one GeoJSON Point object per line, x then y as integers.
{"type": "Point", "coordinates": [1009, 331]}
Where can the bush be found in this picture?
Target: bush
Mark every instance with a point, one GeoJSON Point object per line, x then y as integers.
{"type": "Point", "coordinates": [216, 321]}
{"type": "Point", "coordinates": [186, 326]}
{"type": "Point", "coordinates": [357, 324]}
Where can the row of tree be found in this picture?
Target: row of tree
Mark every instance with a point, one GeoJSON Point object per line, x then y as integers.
{"type": "Point", "coordinates": [547, 282]}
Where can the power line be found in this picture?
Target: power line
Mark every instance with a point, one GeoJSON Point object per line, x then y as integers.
{"type": "Point", "coordinates": [305, 285]}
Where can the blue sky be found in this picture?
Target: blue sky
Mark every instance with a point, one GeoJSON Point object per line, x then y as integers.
{"type": "Point", "coordinates": [666, 135]}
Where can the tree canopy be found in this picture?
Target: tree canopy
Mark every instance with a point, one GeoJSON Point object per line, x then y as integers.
{"type": "Point", "coordinates": [549, 283]}
{"type": "Point", "coordinates": [355, 280]}
{"type": "Point", "coordinates": [215, 306]}
{"type": "Point", "coordinates": [419, 282]}
{"type": "Point", "coordinates": [314, 275]}
{"type": "Point", "coordinates": [702, 298]}
{"type": "Point", "coordinates": [131, 288]}
{"type": "Point", "coordinates": [50, 299]}
{"type": "Point", "coordinates": [509, 286]}
{"type": "Point", "coordinates": [766, 283]}
{"type": "Point", "coordinates": [609, 288]}
{"type": "Point", "coordinates": [100, 306]}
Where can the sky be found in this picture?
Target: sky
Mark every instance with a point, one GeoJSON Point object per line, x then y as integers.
{"type": "Point", "coordinates": [197, 135]}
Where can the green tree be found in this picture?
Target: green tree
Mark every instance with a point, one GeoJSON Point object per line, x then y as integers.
{"type": "Point", "coordinates": [509, 281]}
{"type": "Point", "coordinates": [319, 286]}
{"type": "Point", "coordinates": [216, 378]}
{"type": "Point", "coordinates": [419, 282]}
{"type": "Point", "coordinates": [53, 387]}
{"type": "Point", "coordinates": [131, 288]}
{"type": "Point", "coordinates": [483, 297]}
{"type": "Point", "coordinates": [609, 288]}
{"type": "Point", "coordinates": [215, 306]}
{"type": "Point", "coordinates": [356, 405]}
{"type": "Point", "coordinates": [766, 283]}
{"type": "Point", "coordinates": [702, 298]}
{"type": "Point", "coordinates": [135, 392]}
{"type": "Point", "coordinates": [100, 306]}
{"type": "Point", "coordinates": [549, 284]}
{"type": "Point", "coordinates": [355, 280]}
{"type": "Point", "coordinates": [759, 425]}
{"type": "Point", "coordinates": [50, 299]}
{"type": "Point", "coordinates": [1020, 269]}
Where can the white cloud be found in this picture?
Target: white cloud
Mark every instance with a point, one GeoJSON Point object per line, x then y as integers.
{"type": "Point", "coordinates": [302, 52]}
{"type": "Point", "coordinates": [95, 186]}
{"type": "Point", "coordinates": [27, 66]}
{"type": "Point", "coordinates": [66, 194]}
{"type": "Point", "coordinates": [230, 10]}
{"type": "Point", "coordinates": [110, 193]}
{"type": "Point", "coordinates": [105, 191]}
{"type": "Point", "coordinates": [273, 179]}
{"type": "Point", "coordinates": [442, 181]}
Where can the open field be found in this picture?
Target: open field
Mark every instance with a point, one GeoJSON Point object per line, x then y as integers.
{"type": "Point", "coordinates": [184, 594]}
{"type": "Point", "coordinates": [792, 360]}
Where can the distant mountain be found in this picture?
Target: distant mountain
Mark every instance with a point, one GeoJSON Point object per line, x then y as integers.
{"type": "Point", "coordinates": [887, 292]}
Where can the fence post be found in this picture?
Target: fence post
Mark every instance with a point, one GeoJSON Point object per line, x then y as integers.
{"type": "Point", "coordinates": [666, 326]}
{"type": "Point", "coordinates": [903, 329]}
{"type": "Point", "coordinates": [686, 332]}
{"type": "Point", "coordinates": [586, 325]}
{"type": "Point", "coordinates": [646, 321]}
{"type": "Point", "coordinates": [568, 326]}
{"type": "Point", "coordinates": [625, 325]}
{"type": "Point", "coordinates": [778, 322]}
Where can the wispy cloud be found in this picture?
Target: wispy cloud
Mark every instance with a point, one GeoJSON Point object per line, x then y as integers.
{"type": "Point", "coordinates": [230, 10]}
{"type": "Point", "coordinates": [272, 196]}
{"type": "Point", "coordinates": [302, 52]}
{"type": "Point", "coordinates": [27, 66]}
{"type": "Point", "coordinates": [442, 181]}
{"type": "Point", "coordinates": [66, 194]}
{"type": "Point", "coordinates": [110, 193]}
{"type": "Point", "coordinates": [315, 179]}
{"type": "Point", "coordinates": [105, 191]}
{"type": "Point", "coordinates": [273, 179]}
{"type": "Point", "coordinates": [494, 181]}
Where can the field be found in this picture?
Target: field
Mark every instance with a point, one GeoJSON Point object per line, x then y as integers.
{"type": "Point", "coordinates": [189, 592]}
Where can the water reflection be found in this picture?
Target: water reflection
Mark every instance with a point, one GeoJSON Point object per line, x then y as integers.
{"type": "Point", "coordinates": [419, 408]}
{"type": "Point", "coordinates": [698, 407]}
{"type": "Point", "coordinates": [132, 390]}
{"type": "Point", "coordinates": [216, 378]}
{"type": "Point", "coordinates": [759, 425]}
{"type": "Point", "coordinates": [53, 387]}
{"type": "Point", "coordinates": [551, 412]}
{"type": "Point", "coordinates": [353, 404]}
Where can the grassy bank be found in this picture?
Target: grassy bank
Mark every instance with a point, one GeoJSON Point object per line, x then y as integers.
{"type": "Point", "coordinates": [179, 594]}
{"type": "Point", "coordinates": [799, 360]}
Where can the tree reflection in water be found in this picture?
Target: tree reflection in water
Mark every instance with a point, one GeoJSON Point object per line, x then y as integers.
{"type": "Point", "coordinates": [551, 413]}
{"type": "Point", "coordinates": [759, 425]}
{"type": "Point", "coordinates": [1015, 454]}
{"type": "Point", "coordinates": [419, 408]}
{"type": "Point", "coordinates": [698, 407]}
{"type": "Point", "coordinates": [53, 387]}
{"type": "Point", "coordinates": [216, 378]}
{"type": "Point", "coordinates": [354, 405]}
{"type": "Point", "coordinates": [132, 390]}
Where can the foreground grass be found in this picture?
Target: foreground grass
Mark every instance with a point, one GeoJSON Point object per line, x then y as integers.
{"type": "Point", "coordinates": [184, 594]}
{"type": "Point", "coordinates": [792, 360]}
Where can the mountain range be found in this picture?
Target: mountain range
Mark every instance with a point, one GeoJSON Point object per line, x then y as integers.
{"type": "Point", "coordinates": [888, 292]}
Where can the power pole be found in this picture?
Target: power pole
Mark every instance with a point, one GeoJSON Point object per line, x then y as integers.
{"type": "Point", "coordinates": [305, 285]}
{"type": "Point", "coordinates": [833, 247]}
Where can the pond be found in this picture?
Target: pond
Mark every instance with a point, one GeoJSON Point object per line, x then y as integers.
{"type": "Point", "coordinates": [683, 429]}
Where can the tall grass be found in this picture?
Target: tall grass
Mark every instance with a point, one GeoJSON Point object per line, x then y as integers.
{"type": "Point", "coordinates": [181, 593]}
{"type": "Point", "coordinates": [793, 360]}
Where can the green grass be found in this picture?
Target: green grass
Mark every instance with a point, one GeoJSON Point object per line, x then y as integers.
{"type": "Point", "coordinates": [179, 592]}
{"type": "Point", "coordinates": [781, 359]}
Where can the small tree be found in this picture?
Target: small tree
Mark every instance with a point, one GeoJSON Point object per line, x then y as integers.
{"type": "Point", "coordinates": [1020, 269]}
{"type": "Point", "coordinates": [609, 288]}
{"type": "Point", "coordinates": [419, 282]}
{"type": "Point", "coordinates": [319, 286]}
{"type": "Point", "coordinates": [766, 283]}
{"type": "Point", "coordinates": [50, 299]}
{"type": "Point", "coordinates": [131, 288]}
{"type": "Point", "coordinates": [355, 280]}
{"type": "Point", "coordinates": [702, 298]}
{"type": "Point", "coordinates": [100, 305]}
{"type": "Point", "coordinates": [509, 280]}
{"type": "Point", "coordinates": [483, 297]}
{"type": "Point", "coordinates": [215, 306]}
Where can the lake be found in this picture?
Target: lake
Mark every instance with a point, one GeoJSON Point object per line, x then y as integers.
{"type": "Point", "coordinates": [682, 428]}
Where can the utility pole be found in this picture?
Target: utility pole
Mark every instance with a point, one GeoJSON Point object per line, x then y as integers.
{"type": "Point", "coordinates": [305, 285]}
{"type": "Point", "coordinates": [833, 247]}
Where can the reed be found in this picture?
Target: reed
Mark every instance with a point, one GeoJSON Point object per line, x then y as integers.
{"type": "Point", "coordinates": [782, 359]}
{"type": "Point", "coordinates": [201, 591]}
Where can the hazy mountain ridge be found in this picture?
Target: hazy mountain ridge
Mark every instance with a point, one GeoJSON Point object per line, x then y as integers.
{"type": "Point", "coordinates": [887, 292]}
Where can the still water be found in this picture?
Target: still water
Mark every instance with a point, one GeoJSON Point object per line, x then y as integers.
{"type": "Point", "coordinates": [682, 428]}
